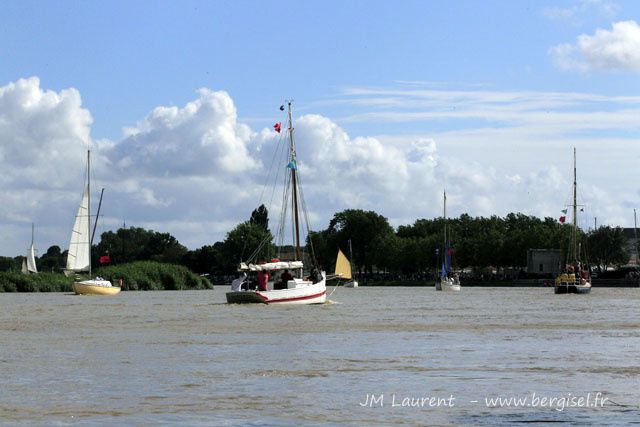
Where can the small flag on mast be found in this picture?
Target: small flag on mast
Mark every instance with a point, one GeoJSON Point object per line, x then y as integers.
{"type": "Point", "coordinates": [282, 108]}
{"type": "Point", "coordinates": [277, 127]}
{"type": "Point", "coordinates": [563, 219]}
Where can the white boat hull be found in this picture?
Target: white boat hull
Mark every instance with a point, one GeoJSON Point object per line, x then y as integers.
{"type": "Point", "coordinates": [448, 286]}
{"type": "Point", "coordinates": [303, 294]}
{"type": "Point", "coordinates": [95, 287]}
{"type": "Point", "coordinates": [351, 284]}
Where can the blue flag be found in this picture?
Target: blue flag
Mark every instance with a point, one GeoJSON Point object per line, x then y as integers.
{"type": "Point", "coordinates": [292, 165]}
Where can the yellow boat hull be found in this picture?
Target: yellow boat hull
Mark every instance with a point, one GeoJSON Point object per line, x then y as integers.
{"type": "Point", "coordinates": [86, 289]}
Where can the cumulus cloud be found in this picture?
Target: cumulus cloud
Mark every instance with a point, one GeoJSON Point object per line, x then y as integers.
{"type": "Point", "coordinates": [202, 136]}
{"type": "Point", "coordinates": [617, 49]}
{"type": "Point", "coordinates": [195, 171]}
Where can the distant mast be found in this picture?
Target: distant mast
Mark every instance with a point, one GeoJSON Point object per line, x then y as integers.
{"type": "Point", "coordinates": [575, 208]}
{"type": "Point", "coordinates": [89, 206]}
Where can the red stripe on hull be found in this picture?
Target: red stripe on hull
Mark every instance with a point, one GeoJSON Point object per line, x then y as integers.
{"type": "Point", "coordinates": [269, 301]}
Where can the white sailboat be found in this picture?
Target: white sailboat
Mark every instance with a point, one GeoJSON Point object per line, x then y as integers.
{"type": "Point", "coordinates": [447, 281]}
{"type": "Point", "coordinates": [575, 279]}
{"type": "Point", "coordinates": [79, 255]}
{"type": "Point", "coordinates": [291, 288]}
{"type": "Point", "coordinates": [29, 262]}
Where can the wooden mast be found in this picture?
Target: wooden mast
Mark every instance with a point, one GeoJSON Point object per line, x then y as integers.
{"type": "Point", "coordinates": [294, 183]}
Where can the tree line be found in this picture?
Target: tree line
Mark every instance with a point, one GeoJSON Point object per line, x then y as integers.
{"type": "Point", "coordinates": [477, 242]}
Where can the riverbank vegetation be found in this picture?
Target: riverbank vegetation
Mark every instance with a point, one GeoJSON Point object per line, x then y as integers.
{"type": "Point", "coordinates": [136, 276]}
{"type": "Point", "coordinates": [408, 252]}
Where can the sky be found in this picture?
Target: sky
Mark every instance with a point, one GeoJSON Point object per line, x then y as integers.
{"type": "Point", "coordinates": [393, 103]}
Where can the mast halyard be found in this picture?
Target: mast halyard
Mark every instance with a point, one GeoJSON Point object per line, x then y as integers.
{"type": "Point", "coordinates": [294, 184]}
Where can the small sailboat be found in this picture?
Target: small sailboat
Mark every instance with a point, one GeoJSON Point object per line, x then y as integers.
{"type": "Point", "coordinates": [344, 269]}
{"type": "Point", "coordinates": [447, 281]}
{"type": "Point", "coordinates": [79, 256]}
{"type": "Point", "coordinates": [29, 262]}
{"type": "Point", "coordinates": [575, 279]}
{"type": "Point", "coordinates": [285, 288]}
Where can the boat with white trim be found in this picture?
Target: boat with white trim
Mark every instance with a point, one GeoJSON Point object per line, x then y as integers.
{"type": "Point", "coordinates": [282, 282]}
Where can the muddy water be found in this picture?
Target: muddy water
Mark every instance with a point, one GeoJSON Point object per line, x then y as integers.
{"type": "Point", "coordinates": [187, 358]}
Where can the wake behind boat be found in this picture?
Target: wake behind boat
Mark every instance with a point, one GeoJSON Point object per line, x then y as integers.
{"type": "Point", "coordinates": [282, 281]}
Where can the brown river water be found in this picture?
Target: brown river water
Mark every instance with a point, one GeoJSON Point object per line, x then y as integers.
{"type": "Point", "coordinates": [374, 356]}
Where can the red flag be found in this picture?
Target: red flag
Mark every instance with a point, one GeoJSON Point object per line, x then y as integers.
{"type": "Point", "coordinates": [277, 127]}
{"type": "Point", "coordinates": [563, 219]}
{"type": "Point", "coordinates": [105, 259]}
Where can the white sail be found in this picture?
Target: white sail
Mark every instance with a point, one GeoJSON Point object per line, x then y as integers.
{"type": "Point", "coordinates": [78, 257]}
{"type": "Point", "coordinates": [31, 260]}
{"type": "Point", "coordinates": [25, 270]}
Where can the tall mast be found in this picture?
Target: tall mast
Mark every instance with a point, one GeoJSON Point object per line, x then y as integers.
{"type": "Point", "coordinates": [89, 206]}
{"type": "Point", "coordinates": [351, 258]}
{"type": "Point", "coordinates": [575, 208]}
{"type": "Point", "coordinates": [445, 219]}
{"type": "Point", "coordinates": [635, 235]}
{"type": "Point", "coordinates": [293, 166]}
{"type": "Point", "coordinates": [33, 231]}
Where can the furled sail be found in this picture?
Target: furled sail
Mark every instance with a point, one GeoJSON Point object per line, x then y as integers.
{"type": "Point", "coordinates": [78, 258]}
{"type": "Point", "coordinates": [343, 267]}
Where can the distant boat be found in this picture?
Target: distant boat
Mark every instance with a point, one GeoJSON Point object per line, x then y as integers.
{"type": "Point", "coordinates": [575, 279]}
{"type": "Point", "coordinates": [343, 269]}
{"type": "Point", "coordinates": [288, 288]}
{"type": "Point", "coordinates": [29, 262]}
{"type": "Point", "coordinates": [79, 255]}
{"type": "Point", "coordinates": [447, 282]}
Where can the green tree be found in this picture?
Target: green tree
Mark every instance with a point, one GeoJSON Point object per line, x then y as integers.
{"type": "Point", "coordinates": [367, 231]}
{"type": "Point", "coordinates": [53, 260]}
{"type": "Point", "coordinates": [248, 242]}
{"type": "Point", "coordinates": [260, 216]}
{"type": "Point", "coordinates": [137, 244]}
{"type": "Point", "coordinates": [607, 246]}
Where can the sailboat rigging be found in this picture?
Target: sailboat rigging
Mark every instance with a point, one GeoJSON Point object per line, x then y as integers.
{"type": "Point", "coordinates": [79, 255]}
{"type": "Point", "coordinates": [289, 289]}
{"type": "Point", "coordinates": [447, 281]}
{"type": "Point", "coordinates": [575, 278]}
{"type": "Point", "coordinates": [29, 262]}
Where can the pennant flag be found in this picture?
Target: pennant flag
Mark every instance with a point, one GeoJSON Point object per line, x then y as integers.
{"type": "Point", "coordinates": [563, 219]}
{"type": "Point", "coordinates": [277, 127]}
{"type": "Point", "coordinates": [564, 211]}
{"type": "Point", "coordinates": [282, 108]}
{"type": "Point", "coordinates": [292, 165]}
{"type": "Point", "coordinates": [105, 259]}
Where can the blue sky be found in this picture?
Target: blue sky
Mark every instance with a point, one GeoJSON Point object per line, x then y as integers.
{"type": "Point", "coordinates": [402, 98]}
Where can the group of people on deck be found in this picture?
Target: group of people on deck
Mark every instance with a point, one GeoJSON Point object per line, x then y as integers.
{"type": "Point", "coordinates": [242, 283]}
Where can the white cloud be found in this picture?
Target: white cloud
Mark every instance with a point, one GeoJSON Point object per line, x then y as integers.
{"type": "Point", "coordinates": [196, 171]}
{"type": "Point", "coordinates": [202, 136]}
{"type": "Point", "coordinates": [617, 49]}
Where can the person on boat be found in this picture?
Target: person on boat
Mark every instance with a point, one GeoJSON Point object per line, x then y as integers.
{"type": "Point", "coordinates": [263, 279]}
{"type": "Point", "coordinates": [236, 285]}
{"type": "Point", "coordinates": [284, 279]}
